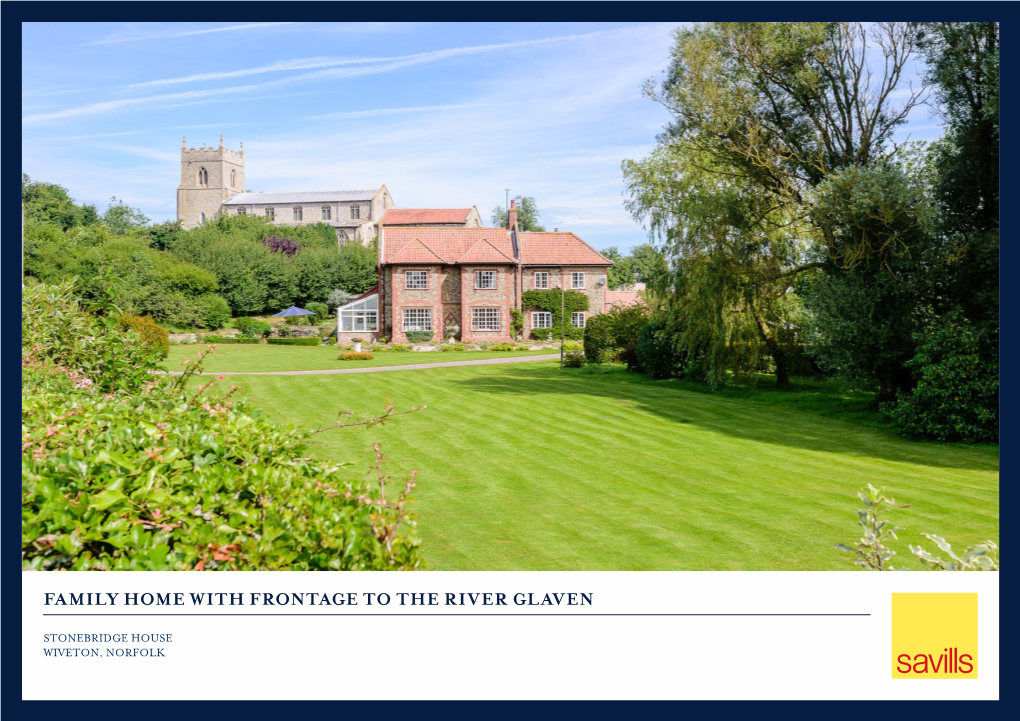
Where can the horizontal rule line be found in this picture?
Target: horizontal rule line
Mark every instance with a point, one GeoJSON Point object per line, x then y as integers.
{"type": "Point", "coordinates": [456, 614]}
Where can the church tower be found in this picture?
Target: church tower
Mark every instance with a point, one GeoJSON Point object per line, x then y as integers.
{"type": "Point", "coordinates": [209, 176]}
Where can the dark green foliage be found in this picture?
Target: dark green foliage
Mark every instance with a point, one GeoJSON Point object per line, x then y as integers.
{"type": "Point", "coordinates": [550, 300]}
{"type": "Point", "coordinates": [50, 203]}
{"type": "Point", "coordinates": [212, 311]}
{"type": "Point", "coordinates": [163, 236]}
{"type": "Point", "coordinates": [598, 340]}
{"type": "Point", "coordinates": [121, 218]}
{"type": "Point", "coordinates": [153, 335]}
{"type": "Point", "coordinates": [656, 351]}
{"type": "Point", "coordinates": [294, 341]}
{"type": "Point", "coordinates": [957, 393]}
{"type": "Point", "coordinates": [232, 490]}
{"type": "Point", "coordinates": [236, 339]}
{"type": "Point", "coordinates": [252, 327]}
{"type": "Point", "coordinates": [419, 336]}
{"type": "Point", "coordinates": [527, 215]}
{"type": "Point", "coordinates": [516, 322]}
{"type": "Point", "coordinates": [573, 360]}
{"type": "Point", "coordinates": [357, 268]}
{"type": "Point", "coordinates": [320, 310]}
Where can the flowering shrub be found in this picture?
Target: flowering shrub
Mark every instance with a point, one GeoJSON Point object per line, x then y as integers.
{"type": "Point", "coordinates": [167, 475]}
{"type": "Point", "coordinates": [153, 334]}
{"type": "Point", "coordinates": [351, 355]}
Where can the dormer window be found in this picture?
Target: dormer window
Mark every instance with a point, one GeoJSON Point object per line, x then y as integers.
{"type": "Point", "coordinates": [326, 212]}
{"type": "Point", "coordinates": [355, 212]}
{"type": "Point", "coordinates": [203, 176]}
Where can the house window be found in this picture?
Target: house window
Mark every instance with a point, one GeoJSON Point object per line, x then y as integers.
{"type": "Point", "coordinates": [541, 319]}
{"type": "Point", "coordinates": [577, 319]}
{"type": "Point", "coordinates": [416, 279]}
{"type": "Point", "coordinates": [299, 213]}
{"type": "Point", "coordinates": [233, 178]}
{"type": "Point", "coordinates": [242, 211]}
{"type": "Point", "coordinates": [201, 219]}
{"type": "Point", "coordinates": [485, 319]}
{"type": "Point", "coordinates": [485, 279]}
{"type": "Point", "coordinates": [360, 315]}
{"type": "Point", "coordinates": [541, 280]}
{"type": "Point", "coordinates": [270, 213]}
{"type": "Point", "coordinates": [417, 319]}
{"type": "Point", "coordinates": [355, 212]}
{"type": "Point", "coordinates": [203, 176]}
{"type": "Point", "coordinates": [326, 212]}
{"type": "Point", "coordinates": [577, 280]}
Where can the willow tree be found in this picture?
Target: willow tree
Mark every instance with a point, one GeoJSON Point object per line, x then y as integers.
{"type": "Point", "coordinates": [730, 250]}
{"type": "Point", "coordinates": [765, 117]}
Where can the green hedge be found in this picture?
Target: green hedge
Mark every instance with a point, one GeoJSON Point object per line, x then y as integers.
{"type": "Point", "coordinates": [419, 336]}
{"type": "Point", "coordinates": [228, 339]}
{"type": "Point", "coordinates": [294, 341]}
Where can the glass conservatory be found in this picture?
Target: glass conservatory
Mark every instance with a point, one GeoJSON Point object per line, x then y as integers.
{"type": "Point", "coordinates": [360, 315]}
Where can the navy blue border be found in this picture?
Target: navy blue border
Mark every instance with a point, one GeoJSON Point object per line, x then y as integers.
{"type": "Point", "coordinates": [512, 708]}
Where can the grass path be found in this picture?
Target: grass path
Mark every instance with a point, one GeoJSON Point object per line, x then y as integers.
{"type": "Point", "coordinates": [260, 357]}
{"type": "Point", "coordinates": [529, 467]}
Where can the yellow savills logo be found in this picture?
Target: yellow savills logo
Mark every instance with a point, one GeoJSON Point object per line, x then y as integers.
{"type": "Point", "coordinates": [934, 635]}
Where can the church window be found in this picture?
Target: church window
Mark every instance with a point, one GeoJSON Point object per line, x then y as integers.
{"type": "Point", "coordinates": [270, 213]}
{"type": "Point", "coordinates": [355, 212]}
{"type": "Point", "coordinates": [341, 235]}
{"type": "Point", "coordinates": [299, 213]}
{"type": "Point", "coordinates": [201, 219]}
{"type": "Point", "coordinates": [326, 213]}
{"type": "Point", "coordinates": [203, 176]}
{"type": "Point", "coordinates": [233, 178]}
{"type": "Point", "coordinates": [242, 211]}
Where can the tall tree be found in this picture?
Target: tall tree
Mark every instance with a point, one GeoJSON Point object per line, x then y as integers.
{"type": "Point", "coordinates": [527, 214]}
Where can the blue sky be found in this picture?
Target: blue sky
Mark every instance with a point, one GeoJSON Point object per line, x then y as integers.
{"type": "Point", "coordinates": [446, 115]}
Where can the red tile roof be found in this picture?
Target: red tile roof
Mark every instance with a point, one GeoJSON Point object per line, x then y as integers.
{"type": "Point", "coordinates": [485, 252]}
{"type": "Point", "coordinates": [415, 216]}
{"type": "Point", "coordinates": [558, 249]}
{"type": "Point", "coordinates": [485, 245]}
{"type": "Point", "coordinates": [623, 298]}
{"type": "Point", "coordinates": [443, 245]}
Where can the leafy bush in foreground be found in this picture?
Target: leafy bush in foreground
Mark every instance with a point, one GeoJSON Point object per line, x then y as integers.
{"type": "Point", "coordinates": [418, 336]}
{"type": "Point", "coordinates": [163, 477]}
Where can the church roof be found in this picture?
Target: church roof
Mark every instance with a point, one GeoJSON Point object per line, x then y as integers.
{"type": "Point", "coordinates": [302, 196]}
{"type": "Point", "coordinates": [416, 216]}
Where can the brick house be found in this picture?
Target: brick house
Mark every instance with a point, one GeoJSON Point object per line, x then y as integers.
{"type": "Point", "coordinates": [432, 277]}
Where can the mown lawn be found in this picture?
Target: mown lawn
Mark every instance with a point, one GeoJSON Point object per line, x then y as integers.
{"type": "Point", "coordinates": [242, 358]}
{"type": "Point", "coordinates": [526, 467]}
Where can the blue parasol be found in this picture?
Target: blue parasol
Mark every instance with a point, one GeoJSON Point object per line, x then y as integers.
{"type": "Point", "coordinates": [293, 310]}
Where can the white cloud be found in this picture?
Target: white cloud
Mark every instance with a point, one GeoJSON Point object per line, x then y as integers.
{"type": "Point", "coordinates": [186, 33]}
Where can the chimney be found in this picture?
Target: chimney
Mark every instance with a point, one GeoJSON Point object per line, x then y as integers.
{"type": "Point", "coordinates": [511, 216]}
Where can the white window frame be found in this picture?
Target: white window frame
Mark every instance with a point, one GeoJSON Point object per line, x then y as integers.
{"type": "Point", "coordinates": [421, 281]}
{"type": "Point", "coordinates": [359, 316]}
{"type": "Point", "coordinates": [490, 317]}
{"type": "Point", "coordinates": [299, 212]}
{"type": "Point", "coordinates": [578, 314]}
{"type": "Point", "coordinates": [424, 318]}
{"type": "Point", "coordinates": [545, 280]}
{"type": "Point", "coordinates": [576, 275]}
{"type": "Point", "coordinates": [479, 274]}
{"type": "Point", "coordinates": [546, 317]}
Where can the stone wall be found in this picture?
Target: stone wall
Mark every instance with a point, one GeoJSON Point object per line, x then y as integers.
{"type": "Point", "coordinates": [195, 199]}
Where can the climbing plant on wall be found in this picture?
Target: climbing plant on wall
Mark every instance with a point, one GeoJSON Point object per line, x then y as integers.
{"type": "Point", "coordinates": [550, 300]}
